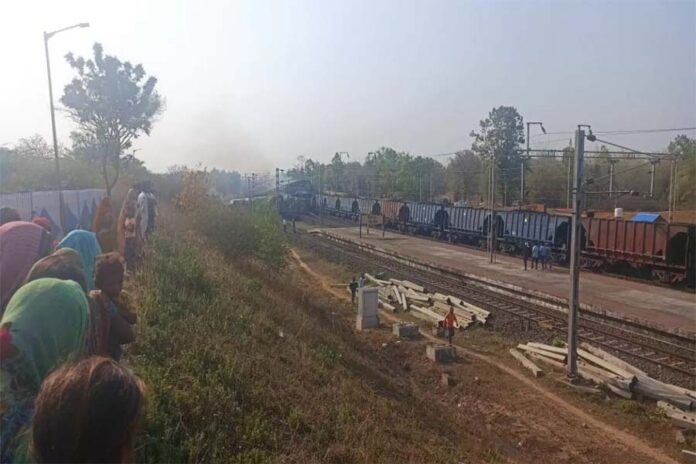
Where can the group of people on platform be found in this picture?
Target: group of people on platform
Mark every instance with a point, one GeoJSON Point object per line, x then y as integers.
{"type": "Point", "coordinates": [64, 395]}
{"type": "Point", "coordinates": [539, 254]}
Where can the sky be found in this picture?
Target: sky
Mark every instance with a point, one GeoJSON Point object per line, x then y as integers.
{"type": "Point", "coordinates": [252, 85]}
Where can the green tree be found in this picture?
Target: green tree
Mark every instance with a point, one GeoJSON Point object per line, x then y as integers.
{"type": "Point", "coordinates": [685, 149]}
{"type": "Point", "coordinates": [463, 175]}
{"type": "Point", "coordinates": [113, 103]}
{"type": "Point", "coordinates": [500, 136]}
{"type": "Point", "coordinates": [547, 182]}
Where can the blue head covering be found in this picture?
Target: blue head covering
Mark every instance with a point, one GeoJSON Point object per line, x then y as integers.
{"type": "Point", "coordinates": [87, 246]}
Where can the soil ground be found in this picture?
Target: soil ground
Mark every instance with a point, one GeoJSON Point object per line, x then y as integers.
{"type": "Point", "coordinates": [512, 416]}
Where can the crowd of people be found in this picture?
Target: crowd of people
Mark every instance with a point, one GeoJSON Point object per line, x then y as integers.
{"type": "Point", "coordinates": [64, 395]}
{"type": "Point", "coordinates": [539, 254]}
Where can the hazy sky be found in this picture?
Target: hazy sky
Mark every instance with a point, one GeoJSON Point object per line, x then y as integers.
{"type": "Point", "coordinates": [252, 85]}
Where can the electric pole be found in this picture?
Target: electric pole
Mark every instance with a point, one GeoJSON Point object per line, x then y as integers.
{"type": "Point", "coordinates": [612, 162]}
{"type": "Point", "coordinates": [492, 221]}
{"type": "Point", "coordinates": [652, 177]}
{"type": "Point", "coordinates": [575, 237]}
{"type": "Point", "coordinates": [321, 194]}
{"type": "Point", "coordinates": [673, 186]}
{"type": "Point", "coordinates": [524, 160]}
{"type": "Point", "coordinates": [570, 186]}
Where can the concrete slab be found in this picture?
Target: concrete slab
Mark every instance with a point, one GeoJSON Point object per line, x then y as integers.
{"type": "Point", "coordinates": [440, 353]}
{"type": "Point", "coordinates": [671, 309]}
{"type": "Point", "coordinates": [405, 330]}
{"type": "Point", "coordinates": [363, 323]}
{"type": "Point", "coordinates": [368, 302]}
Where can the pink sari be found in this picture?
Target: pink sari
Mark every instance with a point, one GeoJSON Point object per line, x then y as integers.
{"type": "Point", "coordinates": [21, 245]}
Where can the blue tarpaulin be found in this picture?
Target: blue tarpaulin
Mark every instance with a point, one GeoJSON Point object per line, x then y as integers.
{"type": "Point", "coordinates": [647, 217]}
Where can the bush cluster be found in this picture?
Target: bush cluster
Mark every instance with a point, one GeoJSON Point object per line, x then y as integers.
{"type": "Point", "coordinates": [237, 231]}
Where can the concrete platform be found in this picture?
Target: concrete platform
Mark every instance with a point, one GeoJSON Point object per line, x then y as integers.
{"type": "Point", "coordinates": [660, 306]}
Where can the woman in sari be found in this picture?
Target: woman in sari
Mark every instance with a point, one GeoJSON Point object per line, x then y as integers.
{"type": "Point", "coordinates": [64, 264]}
{"type": "Point", "coordinates": [86, 245]}
{"type": "Point", "coordinates": [43, 326]}
{"type": "Point", "coordinates": [21, 245]}
{"type": "Point", "coordinates": [102, 224]}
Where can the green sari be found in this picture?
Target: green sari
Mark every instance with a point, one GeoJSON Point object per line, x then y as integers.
{"type": "Point", "coordinates": [43, 326]}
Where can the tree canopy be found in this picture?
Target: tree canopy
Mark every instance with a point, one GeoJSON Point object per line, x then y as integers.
{"type": "Point", "coordinates": [113, 102]}
{"type": "Point", "coordinates": [499, 137]}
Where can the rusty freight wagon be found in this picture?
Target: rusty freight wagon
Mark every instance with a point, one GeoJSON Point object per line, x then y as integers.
{"type": "Point", "coordinates": [646, 246]}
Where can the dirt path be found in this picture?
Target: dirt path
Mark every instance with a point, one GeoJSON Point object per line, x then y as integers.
{"type": "Point", "coordinates": [605, 433]}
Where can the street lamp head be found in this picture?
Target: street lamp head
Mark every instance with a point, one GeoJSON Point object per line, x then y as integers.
{"type": "Point", "coordinates": [83, 24]}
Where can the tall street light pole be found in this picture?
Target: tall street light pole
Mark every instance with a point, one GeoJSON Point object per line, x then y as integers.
{"type": "Point", "coordinates": [524, 160]}
{"type": "Point", "coordinates": [61, 204]}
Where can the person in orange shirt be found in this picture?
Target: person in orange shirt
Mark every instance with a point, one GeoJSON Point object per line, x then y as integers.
{"type": "Point", "coordinates": [449, 323]}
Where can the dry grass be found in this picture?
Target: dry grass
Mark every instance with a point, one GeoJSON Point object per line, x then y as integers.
{"type": "Point", "coordinates": [244, 365]}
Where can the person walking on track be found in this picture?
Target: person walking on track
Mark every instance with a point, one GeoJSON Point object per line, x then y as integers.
{"type": "Point", "coordinates": [449, 323]}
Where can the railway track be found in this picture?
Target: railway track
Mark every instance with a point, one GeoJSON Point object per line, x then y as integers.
{"type": "Point", "coordinates": [665, 355]}
{"type": "Point", "coordinates": [334, 221]}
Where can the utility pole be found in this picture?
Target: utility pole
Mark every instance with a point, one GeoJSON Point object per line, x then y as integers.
{"type": "Point", "coordinates": [576, 230]}
{"type": "Point", "coordinates": [524, 160]}
{"type": "Point", "coordinates": [492, 220]}
{"type": "Point", "coordinates": [673, 181]}
{"type": "Point", "coordinates": [249, 190]}
{"type": "Point", "coordinates": [570, 187]}
{"type": "Point", "coordinates": [612, 162]}
{"type": "Point", "coordinates": [253, 190]}
{"type": "Point", "coordinates": [670, 197]}
{"type": "Point", "coordinates": [321, 194]}
{"type": "Point", "coordinates": [277, 189]}
{"type": "Point", "coordinates": [652, 177]}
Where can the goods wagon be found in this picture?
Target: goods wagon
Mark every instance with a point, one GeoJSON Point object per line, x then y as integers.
{"type": "Point", "coordinates": [422, 215]}
{"type": "Point", "coordinates": [467, 220]}
{"type": "Point", "coordinates": [664, 251]}
{"type": "Point", "coordinates": [535, 227]}
{"type": "Point", "coordinates": [365, 204]}
{"type": "Point", "coordinates": [649, 250]}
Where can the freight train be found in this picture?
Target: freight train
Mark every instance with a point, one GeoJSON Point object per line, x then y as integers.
{"type": "Point", "coordinates": [648, 248]}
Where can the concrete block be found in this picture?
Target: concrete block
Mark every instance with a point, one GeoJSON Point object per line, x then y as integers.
{"type": "Point", "coordinates": [368, 301]}
{"type": "Point", "coordinates": [362, 323]}
{"type": "Point", "coordinates": [446, 380]}
{"type": "Point", "coordinates": [405, 330]}
{"type": "Point", "coordinates": [440, 353]}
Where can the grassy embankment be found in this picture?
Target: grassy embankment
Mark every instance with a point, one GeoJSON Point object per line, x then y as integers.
{"type": "Point", "coordinates": [245, 364]}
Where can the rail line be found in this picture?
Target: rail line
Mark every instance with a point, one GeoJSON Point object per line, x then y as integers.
{"type": "Point", "coordinates": [334, 221]}
{"type": "Point", "coordinates": [663, 354]}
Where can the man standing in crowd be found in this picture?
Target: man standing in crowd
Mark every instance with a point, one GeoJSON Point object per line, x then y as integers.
{"type": "Point", "coordinates": [542, 256]}
{"type": "Point", "coordinates": [535, 256]}
{"type": "Point", "coordinates": [526, 253]}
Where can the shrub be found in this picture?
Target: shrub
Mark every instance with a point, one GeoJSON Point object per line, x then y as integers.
{"type": "Point", "coordinates": [240, 234]}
